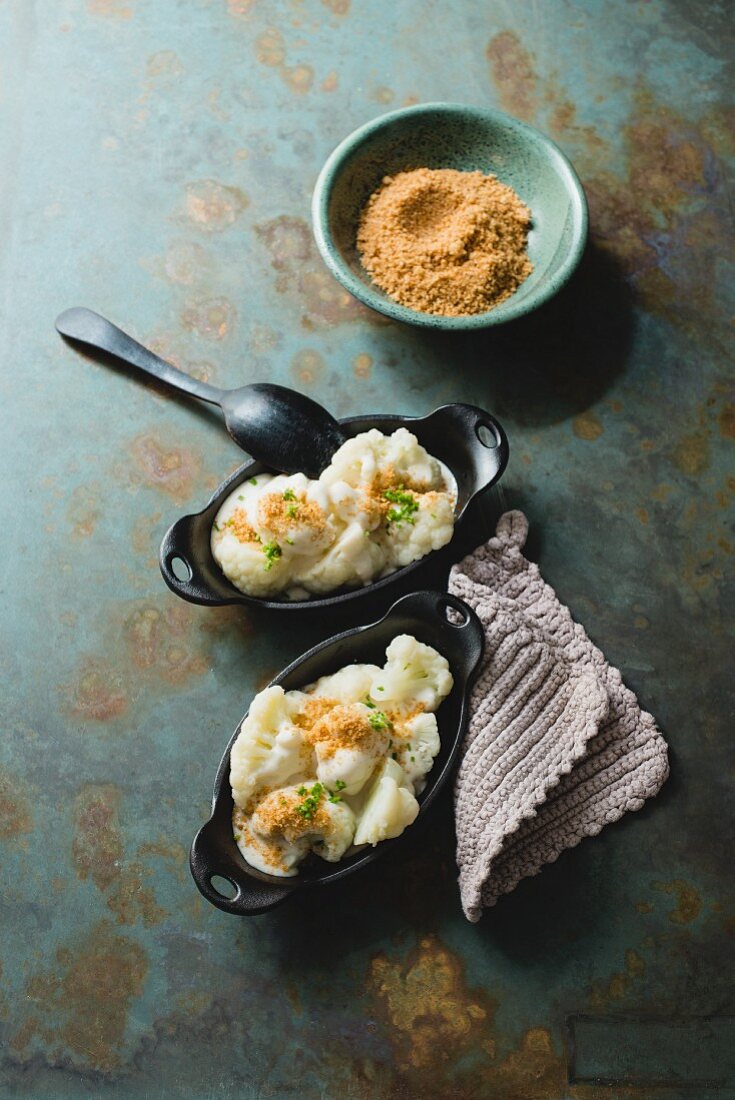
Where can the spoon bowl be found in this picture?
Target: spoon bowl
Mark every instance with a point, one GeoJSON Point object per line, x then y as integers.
{"type": "Point", "coordinates": [285, 430]}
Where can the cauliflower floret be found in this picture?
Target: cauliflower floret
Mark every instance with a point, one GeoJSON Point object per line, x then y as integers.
{"type": "Point", "coordinates": [352, 558]}
{"type": "Point", "coordinates": [268, 749]}
{"type": "Point", "coordinates": [349, 741]}
{"type": "Point", "coordinates": [389, 809]}
{"type": "Point", "coordinates": [416, 749]}
{"type": "Point", "coordinates": [411, 461]}
{"type": "Point", "coordinates": [357, 460]}
{"type": "Point", "coordinates": [306, 813]}
{"type": "Point", "coordinates": [350, 685]}
{"type": "Point", "coordinates": [427, 529]}
{"type": "Point", "coordinates": [249, 566]}
{"type": "Point", "coordinates": [274, 855]}
{"type": "Point", "coordinates": [413, 671]}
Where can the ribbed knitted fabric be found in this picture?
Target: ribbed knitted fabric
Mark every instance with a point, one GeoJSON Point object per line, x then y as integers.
{"type": "Point", "coordinates": [557, 745]}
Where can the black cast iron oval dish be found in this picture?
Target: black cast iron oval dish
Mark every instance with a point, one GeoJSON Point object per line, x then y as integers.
{"type": "Point", "coordinates": [214, 852]}
{"type": "Point", "coordinates": [468, 440]}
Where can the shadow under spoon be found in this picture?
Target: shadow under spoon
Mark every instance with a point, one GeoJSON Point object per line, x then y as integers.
{"type": "Point", "coordinates": [283, 429]}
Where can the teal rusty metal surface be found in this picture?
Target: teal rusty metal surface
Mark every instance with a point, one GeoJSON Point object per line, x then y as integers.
{"type": "Point", "coordinates": [157, 162]}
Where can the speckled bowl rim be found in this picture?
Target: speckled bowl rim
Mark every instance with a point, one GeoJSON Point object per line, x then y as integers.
{"type": "Point", "coordinates": [507, 311]}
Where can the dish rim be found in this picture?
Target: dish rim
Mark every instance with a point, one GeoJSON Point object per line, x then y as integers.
{"type": "Point", "coordinates": [271, 890]}
{"type": "Point", "coordinates": [365, 293]}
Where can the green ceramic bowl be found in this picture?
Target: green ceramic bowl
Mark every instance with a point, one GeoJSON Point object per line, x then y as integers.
{"type": "Point", "coordinates": [451, 135]}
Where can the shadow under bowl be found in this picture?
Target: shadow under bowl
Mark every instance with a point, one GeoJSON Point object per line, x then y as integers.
{"type": "Point", "coordinates": [448, 135]}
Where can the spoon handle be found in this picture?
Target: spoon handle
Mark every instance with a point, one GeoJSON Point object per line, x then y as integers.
{"type": "Point", "coordinates": [88, 327]}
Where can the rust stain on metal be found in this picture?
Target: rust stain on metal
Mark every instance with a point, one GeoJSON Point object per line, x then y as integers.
{"type": "Point", "coordinates": [330, 82]}
{"type": "Point", "coordinates": [130, 900]}
{"type": "Point", "coordinates": [173, 470]}
{"type": "Point", "coordinates": [270, 48]}
{"type": "Point", "coordinates": [383, 94]}
{"type": "Point", "coordinates": [173, 853]}
{"type": "Point", "coordinates": [300, 272]}
{"type": "Point", "coordinates": [587, 426]}
{"type": "Point", "coordinates": [726, 421]}
{"type": "Point", "coordinates": [97, 847]}
{"type": "Point", "coordinates": [307, 366]}
{"type": "Point", "coordinates": [513, 74]}
{"type": "Point", "coordinates": [159, 639]}
{"type": "Point", "coordinates": [429, 1010]}
{"type": "Point", "coordinates": [533, 1071]}
{"type": "Point", "coordinates": [84, 509]}
{"type": "Point", "coordinates": [240, 9]}
{"type": "Point", "coordinates": [362, 365]}
{"type": "Point", "coordinates": [298, 77]}
{"type": "Point", "coordinates": [96, 693]}
{"type": "Point", "coordinates": [150, 645]}
{"type": "Point", "coordinates": [209, 318]}
{"type": "Point", "coordinates": [434, 1021]}
{"type": "Point", "coordinates": [83, 1004]}
{"type": "Point", "coordinates": [691, 454]}
{"type": "Point", "coordinates": [110, 9]}
{"type": "Point", "coordinates": [337, 7]}
{"type": "Point", "coordinates": [98, 853]}
{"type": "Point", "coordinates": [182, 264]}
{"type": "Point", "coordinates": [15, 813]}
{"type": "Point", "coordinates": [620, 983]}
{"type": "Point", "coordinates": [213, 206]}
{"type": "Point", "coordinates": [144, 532]}
{"type": "Point", "coordinates": [688, 900]}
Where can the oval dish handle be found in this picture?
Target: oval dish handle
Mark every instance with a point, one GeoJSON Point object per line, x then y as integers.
{"type": "Point", "coordinates": [207, 861]}
{"type": "Point", "coordinates": [177, 547]}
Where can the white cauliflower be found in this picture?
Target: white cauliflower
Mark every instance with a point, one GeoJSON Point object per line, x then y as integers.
{"type": "Point", "coordinates": [390, 807]}
{"type": "Point", "coordinates": [268, 748]}
{"type": "Point", "coordinates": [413, 671]}
{"type": "Point", "coordinates": [268, 544]}
{"type": "Point", "coordinates": [350, 685]}
{"type": "Point", "coordinates": [416, 749]}
{"type": "Point", "coordinates": [306, 813]}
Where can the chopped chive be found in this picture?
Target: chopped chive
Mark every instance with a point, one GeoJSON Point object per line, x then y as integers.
{"type": "Point", "coordinates": [408, 505]}
{"type": "Point", "coordinates": [292, 510]}
{"type": "Point", "coordinates": [289, 494]}
{"type": "Point", "coordinates": [253, 481]}
{"type": "Point", "coordinates": [272, 552]}
{"type": "Point", "coordinates": [310, 805]}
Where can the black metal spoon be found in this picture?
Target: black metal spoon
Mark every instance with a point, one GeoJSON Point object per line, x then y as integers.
{"type": "Point", "coordinates": [283, 429]}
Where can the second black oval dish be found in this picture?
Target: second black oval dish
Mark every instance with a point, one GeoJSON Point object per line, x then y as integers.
{"type": "Point", "coordinates": [214, 853]}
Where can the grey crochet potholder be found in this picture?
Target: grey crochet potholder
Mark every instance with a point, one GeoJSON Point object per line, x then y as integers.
{"type": "Point", "coordinates": [557, 745]}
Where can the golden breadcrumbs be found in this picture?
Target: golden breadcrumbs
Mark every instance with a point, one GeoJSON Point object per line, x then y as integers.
{"type": "Point", "coordinates": [279, 515]}
{"type": "Point", "coordinates": [445, 242]}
